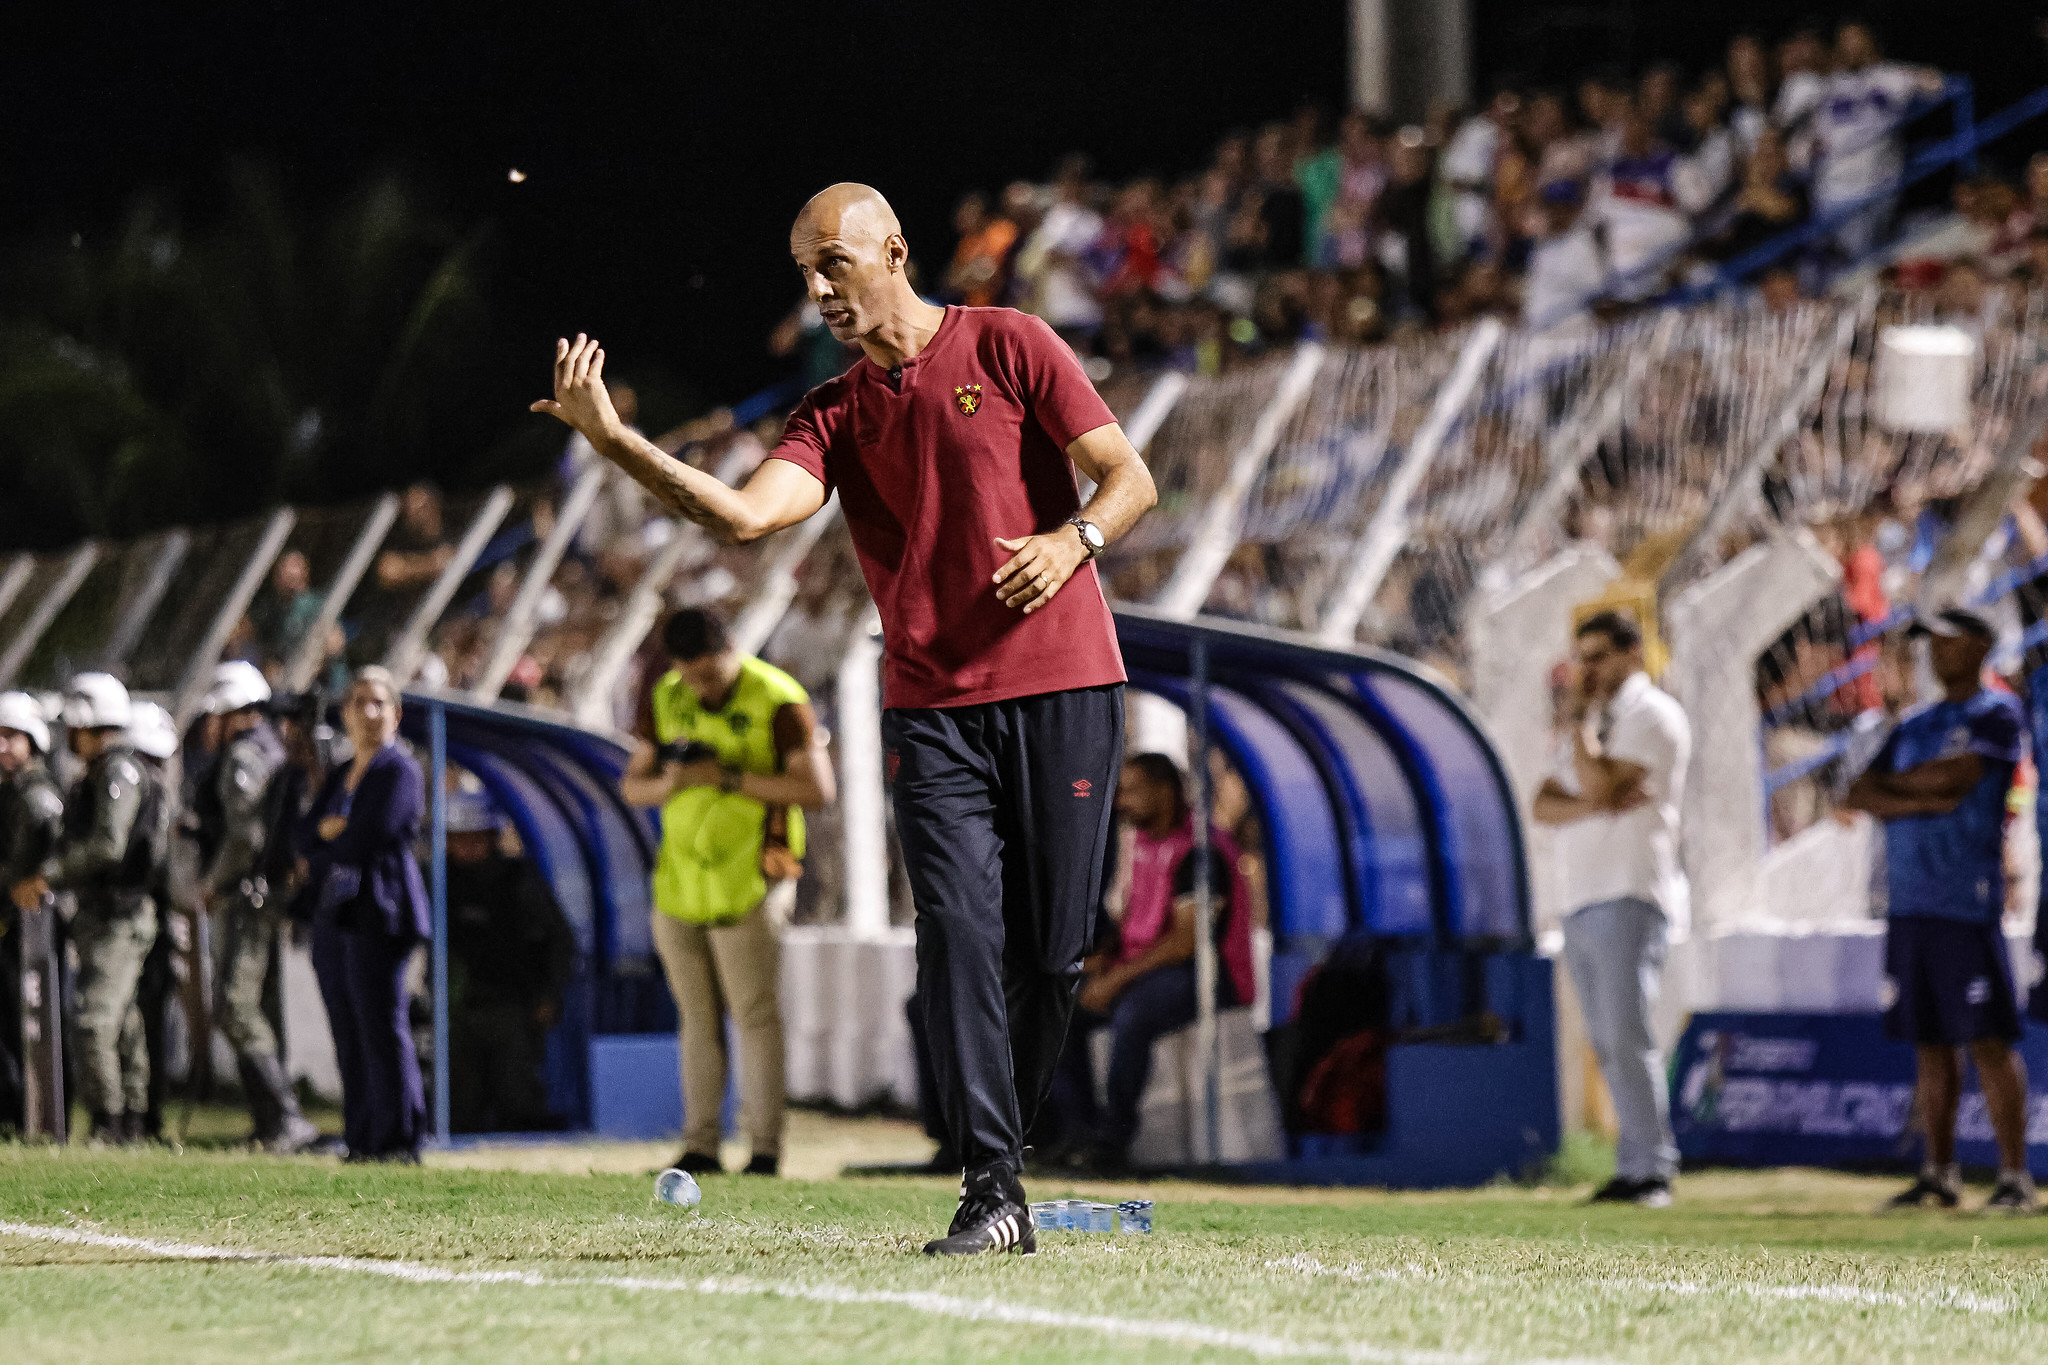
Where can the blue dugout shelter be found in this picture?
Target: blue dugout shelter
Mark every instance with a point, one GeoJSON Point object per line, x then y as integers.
{"type": "Point", "coordinates": [1389, 823]}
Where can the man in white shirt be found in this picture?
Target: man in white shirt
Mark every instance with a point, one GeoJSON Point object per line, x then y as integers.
{"type": "Point", "coordinates": [1855, 130]}
{"type": "Point", "coordinates": [1059, 287]}
{"type": "Point", "coordinates": [1615, 800]}
{"type": "Point", "coordinates": [1567, 267]}
{"type": "Point", "coordinates": [1468, 167]}
{"type": "Point", "coordinates": [1635, 199]}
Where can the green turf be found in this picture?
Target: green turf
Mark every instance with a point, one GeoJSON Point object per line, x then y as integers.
{"type": "Point", "coordinates": [1503, 1274]}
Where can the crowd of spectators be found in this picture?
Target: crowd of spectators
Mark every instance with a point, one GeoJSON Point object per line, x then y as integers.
{"type": "Point", "coordinates": [1542, 207]}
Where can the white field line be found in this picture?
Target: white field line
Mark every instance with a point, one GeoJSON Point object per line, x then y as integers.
{"type": "Point", "coordinates": [942, 1305]}
{"type": "Point", "coordinates": [1953, 1299]}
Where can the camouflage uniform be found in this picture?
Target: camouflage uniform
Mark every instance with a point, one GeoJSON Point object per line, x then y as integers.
{"type": "Point", "coordinates": [116, 830]}
{"type": "Point", "coordinates": [31, 817]}
{"type": "Point", "coordinates": [250, 915]}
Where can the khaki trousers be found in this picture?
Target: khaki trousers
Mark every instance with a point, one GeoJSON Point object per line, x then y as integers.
{"type": "Point", "coordinates": [714, 972]}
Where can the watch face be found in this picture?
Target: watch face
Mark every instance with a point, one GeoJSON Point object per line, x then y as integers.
{"type": "Point", "coordinates": [1091, 533]}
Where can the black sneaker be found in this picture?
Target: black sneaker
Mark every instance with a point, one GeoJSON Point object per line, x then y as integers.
{"type": "Point", "coordinates": [762, 1163]}
{"type": "Point", "coordinates": [1651, 1193]}
{"type": "Point", "coordinates": [992, 1216]}
{"type": "Point", "coordinates": [696, 1163]}
{"type": "Point", "coordinates": [2013, 1196]}
{"type": "Point", "coordinates": [1926, 1191]}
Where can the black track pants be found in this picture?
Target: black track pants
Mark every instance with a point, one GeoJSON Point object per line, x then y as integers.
{"type": "Point", "coordinates": [1003, 810]}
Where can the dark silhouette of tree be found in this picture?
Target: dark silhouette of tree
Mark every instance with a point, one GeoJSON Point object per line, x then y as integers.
{"type": "Point", "coordinates": [188, 368]}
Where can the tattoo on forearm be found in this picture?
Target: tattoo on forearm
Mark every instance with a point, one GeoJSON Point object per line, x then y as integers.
{"type": "Point", "coordinates": [668, 479]}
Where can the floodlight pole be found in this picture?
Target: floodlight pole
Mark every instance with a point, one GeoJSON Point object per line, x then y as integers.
{"type": "Point", "coordinates": [437, 742]}
{"type": "Point", "coordinates": [1207, 1044]}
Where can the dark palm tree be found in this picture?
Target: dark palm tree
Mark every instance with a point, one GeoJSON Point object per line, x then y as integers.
{"type": "Point", "coordinates": [192, 371]}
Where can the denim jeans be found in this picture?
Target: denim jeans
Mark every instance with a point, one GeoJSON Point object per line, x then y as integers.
{"type": "Point", "coordinates": [1615, 953]}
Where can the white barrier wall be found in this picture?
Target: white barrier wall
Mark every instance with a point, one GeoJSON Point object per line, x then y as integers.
{"type": "Point", "coordinates": [1717, 628]}
{"type": "Point", "coordinates": [1516, 634]}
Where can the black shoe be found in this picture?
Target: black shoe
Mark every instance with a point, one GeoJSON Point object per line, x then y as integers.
{"type": "Point", "coordinates": [1650, 1194]}
{"type": "Point", "coordinates": [2013, 1196]}
{"type": "Point", "coordinates": [1924, 1192]}
{"type": "Point", "coordinates": [762, 1163]}
{"type": "Point", "coordinates": [696, 1163]}
{"type": "Point", "coordinates": [992, 1216]}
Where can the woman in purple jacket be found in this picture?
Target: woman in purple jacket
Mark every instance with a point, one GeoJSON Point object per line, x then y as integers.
{"type": "Point", "coordinates": [372, 911]}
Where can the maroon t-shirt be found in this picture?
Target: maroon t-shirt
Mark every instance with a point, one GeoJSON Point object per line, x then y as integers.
{"type": "Point", "coordinates": [965, 443]}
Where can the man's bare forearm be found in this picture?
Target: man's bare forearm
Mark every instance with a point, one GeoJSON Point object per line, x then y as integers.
{"type": "Point", "coordinates": [689, 493]}
{"type": "Point", "coordinates": [1120, 499]}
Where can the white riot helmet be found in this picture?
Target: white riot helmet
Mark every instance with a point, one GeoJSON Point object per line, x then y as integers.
{"type": "Point", "coordinates": [237, 685]}
{"type": "Point", "coordinates": [151, 732]}
{"type": "Point", "coordinates": [96, 701]}
{"type": "Point", "coordinates": [23, 714]}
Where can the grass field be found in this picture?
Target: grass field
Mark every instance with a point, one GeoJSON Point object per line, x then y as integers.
{"type": "Point", "coordinates": [559, 1253]}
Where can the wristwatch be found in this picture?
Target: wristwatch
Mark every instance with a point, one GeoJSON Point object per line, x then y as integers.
{"type": "Point", "coordinates": [1091, 535]}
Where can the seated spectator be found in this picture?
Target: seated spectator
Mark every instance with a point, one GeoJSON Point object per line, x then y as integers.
{"type": "Point", "coordinates": [1567, 266]}
{"type": "Point", "coordinates": [803, 333]}
{"type": "Point", "coordinates": [1468, 167]}
{"type": "Point", "coordinates": [976, 276]}
{"type": "Point", "coordinates": [1636, 201]}
{"type": "Point", "coordinates": [1052, 280]}
{"type": "Point", "coordinates": [1856, 132]}
{"type": "Point", "coordinates": [1768, 203]}
{"type": "Point", "coordinates": [1142, 987]}
{"type": "Point", "coordinates": [510, 954]}
{"type": "Point", "coordinates": [1282, 211]}
{"type": "Point", "coordinates": [1803, 64]}
{"type": "Point", "coordinates": [285, 610]}
{"type": "Point", "coordinates": [418, 548]}
{"type": "Point", "coordinates": [1749, 88]}
{"type": "Point", "coordinates": [1707, 171]}
{"type": "Point", "coordinates": [1778, 288]}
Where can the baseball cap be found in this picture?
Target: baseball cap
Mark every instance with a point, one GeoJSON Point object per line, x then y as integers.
{"type": "Point", "coordinates": [1950, 622]}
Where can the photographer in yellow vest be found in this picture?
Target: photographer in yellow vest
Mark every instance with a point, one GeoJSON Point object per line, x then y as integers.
{"type": "Point", "coordinates": [737, 756]}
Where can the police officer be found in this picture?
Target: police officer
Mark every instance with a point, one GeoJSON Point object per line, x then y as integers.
{"type": "Point", "coordinates": [31, 816]}
{"type": "Point", "coordinates": [154, 737]}
{"type": "Point", "coordinates": [510, 953]}
{"type": "Point", "coordinates": [115, 837]}
{"type": "Point", "coordinates": [239, 818]}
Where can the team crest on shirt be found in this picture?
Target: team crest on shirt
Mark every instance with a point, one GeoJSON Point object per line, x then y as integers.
{"type": "Point", "coordinates": [968, 396]}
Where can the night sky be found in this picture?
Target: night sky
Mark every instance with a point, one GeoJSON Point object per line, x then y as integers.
{"type": "Point", "coordinates": [668, 146]}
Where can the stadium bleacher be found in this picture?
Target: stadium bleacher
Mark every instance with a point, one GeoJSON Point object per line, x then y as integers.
{"type": "Point", "coordinates": [1338, 451]}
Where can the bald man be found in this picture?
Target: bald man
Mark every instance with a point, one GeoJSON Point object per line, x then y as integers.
{"type": "Point", "coordinates": [952, 446]}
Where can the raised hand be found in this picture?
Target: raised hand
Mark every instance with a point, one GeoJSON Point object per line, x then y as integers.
{"type": "Point", "coordinates": [581, 398]}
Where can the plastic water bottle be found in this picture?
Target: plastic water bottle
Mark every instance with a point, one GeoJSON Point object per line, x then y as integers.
{"type": "Point", "coordinates": [676, 1187]}
{"type": "Point", "coordinates": [1084, 1215]}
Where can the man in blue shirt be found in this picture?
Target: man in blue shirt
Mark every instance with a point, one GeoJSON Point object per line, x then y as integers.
{"type": "Point", "coordinates": [1939, 784]}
